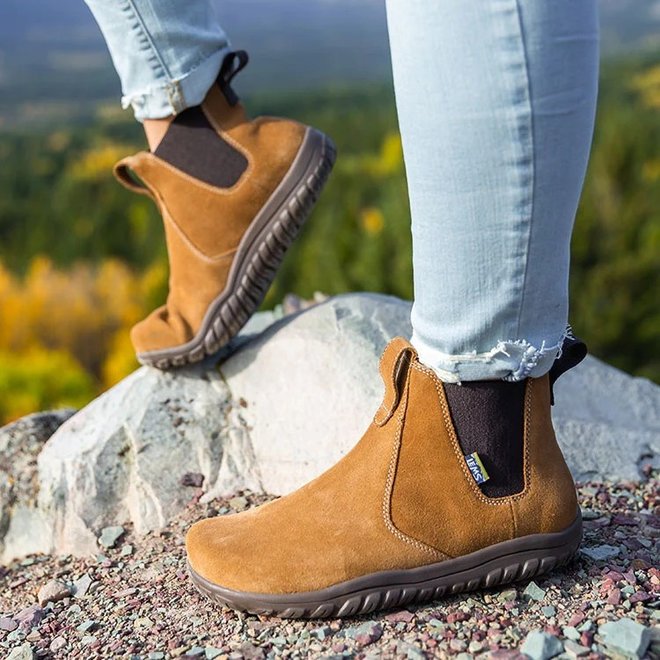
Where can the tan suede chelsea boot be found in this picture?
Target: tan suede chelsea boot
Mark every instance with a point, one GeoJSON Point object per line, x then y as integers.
{"type": "Point", "coordinates": [233, 193]}
{"type": "Point", "coordinates": [399, 519]}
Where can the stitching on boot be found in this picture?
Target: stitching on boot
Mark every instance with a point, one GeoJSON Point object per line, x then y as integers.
{"type": "Point", "coordinates": [497, 501]}
{"type": "Point", "coordinates": [201, 184]}
{"type": "Point", "coordinates": [167, 217]}
{"type": "Point", "coordinates": [385, 411]}
{"type": "Point", "coordinates": [239, 147]}
{"type": "Point", "coordinates": [389, 487]}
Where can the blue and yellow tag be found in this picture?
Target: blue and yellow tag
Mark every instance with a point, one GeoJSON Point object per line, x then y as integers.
{"type": "Point", "coordinates": [476, 467]}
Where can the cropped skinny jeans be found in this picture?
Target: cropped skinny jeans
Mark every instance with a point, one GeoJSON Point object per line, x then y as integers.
{"type": "Point", "coordinates": [496, 103]}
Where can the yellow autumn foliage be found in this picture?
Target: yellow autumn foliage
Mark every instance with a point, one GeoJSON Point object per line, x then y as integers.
{"type": "Point", "coordinates": [64, 334]}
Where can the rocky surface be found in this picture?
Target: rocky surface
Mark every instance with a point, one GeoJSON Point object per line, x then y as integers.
{"type": "Point", "coordinates": [291, 398]}
{"type": "Point", "coordinates": [135, 601]}
{"type": "Point", "coordinates": [20, 445]}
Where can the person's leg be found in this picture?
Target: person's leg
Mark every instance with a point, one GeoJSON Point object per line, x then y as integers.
{"type": "Point", "coordinates": [495, 158]}
{"type": "Point", "coordinates": [167, 55]}
{"type": "Point", "coordinates": [496, 103]}
{"type": "Point", "coordinates": [233, 192]}
{"type": "Point", "coordinates": [496, 107]}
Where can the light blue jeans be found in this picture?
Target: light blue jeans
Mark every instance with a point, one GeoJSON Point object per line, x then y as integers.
{"type": "Point", "coordinates": [496, 104]}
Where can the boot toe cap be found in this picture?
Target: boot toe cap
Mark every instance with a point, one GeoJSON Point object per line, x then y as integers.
{"type": "Point", "coordinates": [159, 331]}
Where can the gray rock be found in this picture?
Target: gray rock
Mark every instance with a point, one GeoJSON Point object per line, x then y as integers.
{"type": "Point", "coordinates": [23, 652]}
{"type": "Point", "coordinates": [575, 650]}
{"type": "Point", "coordinates": [626, 636]}
{"type": "Point", "coordinates": [57, 644]}
{"type": "Point", "coordinates": [600, 552]}
{"type": "Point", "coordinates": [8, 624]}
{"type": "Point", "coordinates": [110, 535]}
{"type": "Point", "coordinates": [53, 591]}
{"type": "Point", "coordinates": [534, 592]}
{"type": "Point", "coordinates": [81, 586]}
{"type": "Point", "coordinates": [87, 626]}
{"type": "Point", "coordinates": [607, 422]}
{"type": "Point", "coordinates": [541, 645]}
{"type": "Point", "coordinates": [211, 652]}
{"type": "Point", "coordinates": [549, 610]}
{"type": "Point", "coordinates": [287, 400]}
{"type": "Point", "coordinates": [30, 616]}
{"type": "Point", "coordinates": [20, 444]}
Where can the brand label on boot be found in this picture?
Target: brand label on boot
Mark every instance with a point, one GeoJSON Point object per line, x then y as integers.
{"type": "Point", "coordinates": [476, 467]}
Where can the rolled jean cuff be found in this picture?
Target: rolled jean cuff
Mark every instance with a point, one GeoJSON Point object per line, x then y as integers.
{"type": "Point", "coordinates": [174, 96]}
{"type": "Point", "coordinates": [509, 360]}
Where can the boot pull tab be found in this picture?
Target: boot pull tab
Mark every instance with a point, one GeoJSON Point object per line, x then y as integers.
{"type": "Point", "coordinates": [124, 173]}
{"type": "Point", "coordinates": [233, 64]}
{"type": "Point", "coordinates": [572, 352]}
{"type": "Point", "coordinates": [394, 365]}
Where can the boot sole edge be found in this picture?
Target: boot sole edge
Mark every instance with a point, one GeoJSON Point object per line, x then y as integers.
{"type": "Point", "coordinates": [518, 559]}
{"type": "Point", "coordinates": [258, 255]}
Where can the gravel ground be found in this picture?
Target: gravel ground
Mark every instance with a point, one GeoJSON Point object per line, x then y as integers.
{"type": "Point", "coordinates": [134, 600]}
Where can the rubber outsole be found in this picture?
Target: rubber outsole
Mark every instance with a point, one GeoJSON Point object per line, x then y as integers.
{"type": "Point", "coordinates": [499, 564]}
{"type": "Point", "coordinates": [259, 254]}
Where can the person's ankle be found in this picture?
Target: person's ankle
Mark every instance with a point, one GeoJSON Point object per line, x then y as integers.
{"type": "Point", "coordinates": [155, 130]}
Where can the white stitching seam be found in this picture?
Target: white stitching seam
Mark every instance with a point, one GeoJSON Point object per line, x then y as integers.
{"type": "Point", "coordinates": [389, 487]}
{"type": "Point", "coordinates": [499, 501]}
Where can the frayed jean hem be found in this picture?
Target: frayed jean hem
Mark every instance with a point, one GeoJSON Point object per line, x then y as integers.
{"type": "Point", "coordinates": [512, 360]}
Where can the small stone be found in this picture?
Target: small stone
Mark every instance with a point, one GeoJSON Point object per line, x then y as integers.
{"type": "Point", "coordinates": [321, 633]}
{"type": "Point", "coordinates": [81, 586]}
{"type": "Point", "coordinates": [533, 591]}
{"type": "Point", "coordinates": [549, 610]}
{"type": "Point", "coordinates": [23, 652]}
{"type": "Point", "coordinates": [367, 633]}
{"type": "Point", "coordinates": [574, 649]}
{"type": "Point", "coordinates": [193, 479]}
{"type": "Point", "coordinates": [475, 646]}
{"type": "Point", "coordinates": [211, 652]}
{"type": "Point", "coordinates": [541, 645]}
{"type": "Point", "coordinates": [87, 626]}
{"type": "Point", "coordinates": [87, 640]}
{"type": "Point", "coordinates": [406, 650]}
{"type": "Point", "coordinates": [586, 626]}
{"type": "Point", "coordinates": [110, 535]}
{"type": "Point", "coordinates": [614, 597]}
{"type": "Point", "coordinates": [194, 652]}
{"type": "Point", "coordinates": [30, 617]}
{"type": "Point", "coordinates": [143, 622]}
{"type": "Point", "coordinates": [57, 644]}
{"type": "Point", "coordinates": [458, 644]}
{"type": "Point", "coordinates": [626, 636]}
{"type": "Point", "coordinates": [156, 655]}
{"type": "Point", "coordinates": [400, 615]}
{"type": "Point", "coordinates": [16, 635]}
{"type": "Point", "coordinates": [53, 591]}
{"type": "Point", "coordinates": [238, 503]}
{"type": "Point", "coordinates": [590, 514]}
{"type": "Point", "coordinates": [7, 623]}
{"type": "Point", "coordinates": [571, 633]}
{"type": "Point", "coordinates": [507, 596]}
{"type": "Point", "coordinates": [601, 552]}
{"type": "Point", "coordinates": [126, 550]}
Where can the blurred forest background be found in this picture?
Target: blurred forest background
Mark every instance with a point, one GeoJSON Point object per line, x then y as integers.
{"type": "Point", "coordinates": [82, 259]}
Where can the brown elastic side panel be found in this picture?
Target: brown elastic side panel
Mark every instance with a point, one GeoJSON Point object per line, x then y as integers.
{"type": "Point", "coordinates": [489, 418]}
{"type": "Point", "coordinates": [193, 146]}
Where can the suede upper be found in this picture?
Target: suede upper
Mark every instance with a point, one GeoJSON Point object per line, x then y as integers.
{"type": "Point", "coordinates": [204, 224]}
{"type": "Point", "coordinates": [402, 498]}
